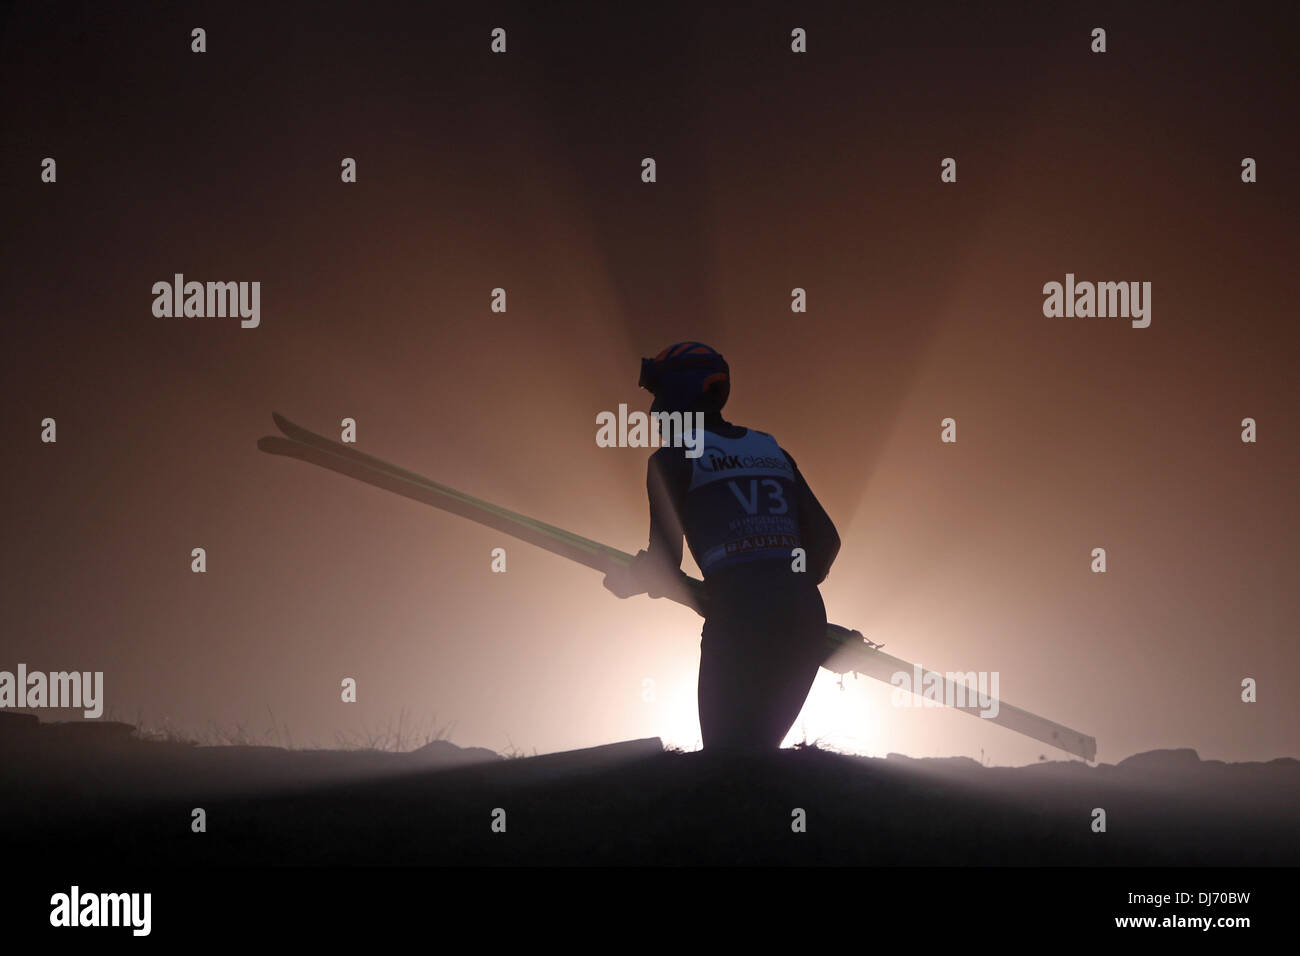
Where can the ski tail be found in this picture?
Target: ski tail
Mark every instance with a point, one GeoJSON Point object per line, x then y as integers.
{"type": "Point", "coordinates": [854, 655]}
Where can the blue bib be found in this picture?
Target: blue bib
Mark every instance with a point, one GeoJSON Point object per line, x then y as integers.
{"type": "Point", "coordinates": [741, 504]}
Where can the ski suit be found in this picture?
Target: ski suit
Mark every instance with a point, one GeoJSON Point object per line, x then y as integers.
{"type": "Point", "coordinates": [743, 508]}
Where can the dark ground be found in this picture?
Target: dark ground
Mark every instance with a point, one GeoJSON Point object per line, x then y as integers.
{"type": "Point", "coordinates": [102, 795]}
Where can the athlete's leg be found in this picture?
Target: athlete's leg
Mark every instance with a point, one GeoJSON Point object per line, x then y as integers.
{"type": "Point", "coordinates": [759, 654]}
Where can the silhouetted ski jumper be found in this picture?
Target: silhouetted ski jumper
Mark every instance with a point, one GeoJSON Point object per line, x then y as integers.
{"type": "Point", "coordinates": [743, 507]}
{"type": "Point", "coordinates": [745, 511]}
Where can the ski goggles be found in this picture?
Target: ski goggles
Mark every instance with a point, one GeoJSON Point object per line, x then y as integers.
{"type": "Point", "coordinates": [652, 370]}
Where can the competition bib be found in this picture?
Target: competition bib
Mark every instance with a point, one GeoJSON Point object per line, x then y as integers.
{"type": "Point", "coordinates": [741, 502]}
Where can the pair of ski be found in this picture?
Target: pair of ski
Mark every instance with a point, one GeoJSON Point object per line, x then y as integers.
{"type": "Point", "coordinates": [847, 650]}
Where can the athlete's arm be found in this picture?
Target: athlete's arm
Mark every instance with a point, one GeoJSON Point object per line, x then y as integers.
{"type": "Point", "coordinates": [820, 539]}
{"type": "Point", "coordinates": [658, 567]}
{"type": "Point", "coordinates": [665, 485]}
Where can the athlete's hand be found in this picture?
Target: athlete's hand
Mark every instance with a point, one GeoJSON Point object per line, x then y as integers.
{"type": "Point", "coordinates": [628, 581]}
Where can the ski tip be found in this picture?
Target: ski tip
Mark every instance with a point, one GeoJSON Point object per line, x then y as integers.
{"type": "Point", "coordinates": [273, 444]}
{"type": "Point", "coordinates": [289, 428]}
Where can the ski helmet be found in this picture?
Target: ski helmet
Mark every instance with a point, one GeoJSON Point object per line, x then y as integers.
{"type": "Point", "coordinates": [683, 373]}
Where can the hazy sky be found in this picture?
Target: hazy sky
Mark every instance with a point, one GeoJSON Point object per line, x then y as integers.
{"type": "Point", "coordinates": [775, 171]}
